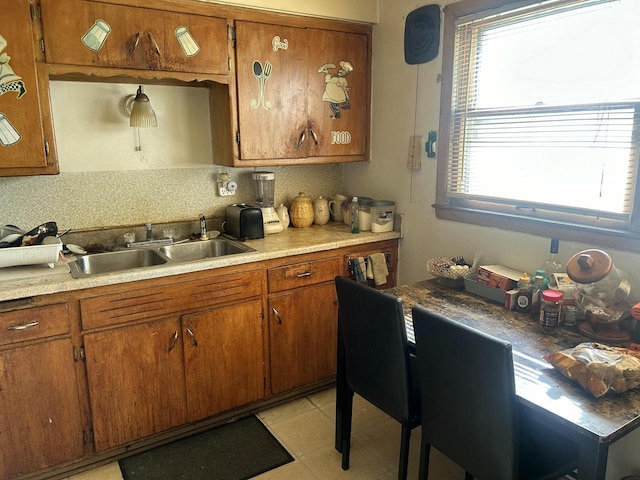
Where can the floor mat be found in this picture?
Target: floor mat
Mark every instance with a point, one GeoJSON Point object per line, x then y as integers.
{"type": "Point", "coordinates": [235, 451]}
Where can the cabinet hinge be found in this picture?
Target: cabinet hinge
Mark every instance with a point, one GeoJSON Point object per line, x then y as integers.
{"type": "Point", "coordinates": [87, 437]}
{"type": "Point", "coordinates": [42, 45]}
{"type": "Point", "coordinates": [232, 36]}
{"type": "Point", "coordinates": [35, 11]}
{"type": "Point", "coordinates": [46, 148]}
{"type": "Point", "coordinates": [238, 137]}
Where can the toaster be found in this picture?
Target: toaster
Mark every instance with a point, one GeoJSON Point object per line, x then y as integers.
{"type": "Point", "coordinates": [244, 221]}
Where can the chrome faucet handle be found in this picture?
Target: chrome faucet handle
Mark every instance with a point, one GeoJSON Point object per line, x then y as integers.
{"type": "Point", "coordinates": [203, 227]}
{"type": "Point", "coordinates": [149, 231]}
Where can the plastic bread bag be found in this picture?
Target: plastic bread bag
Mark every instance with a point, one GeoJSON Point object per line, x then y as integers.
{"type": "Point", "coordinates": [599, 368]}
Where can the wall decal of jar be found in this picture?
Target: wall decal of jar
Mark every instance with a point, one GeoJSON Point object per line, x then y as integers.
{"type": "Point", "coordinates": [96, 35]}
{"type": "Point", "coordinates": [189, 45]}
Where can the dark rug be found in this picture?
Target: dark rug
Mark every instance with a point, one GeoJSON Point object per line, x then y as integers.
{"type": "Point", "coordinates": [235, 451]}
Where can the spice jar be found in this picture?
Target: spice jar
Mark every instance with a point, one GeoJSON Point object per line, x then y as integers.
{"type": "Point", "coordinates": [550, 310]}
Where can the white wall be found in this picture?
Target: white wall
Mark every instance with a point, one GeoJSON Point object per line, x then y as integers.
{"type": "Point", "coordinates": [406, 101]}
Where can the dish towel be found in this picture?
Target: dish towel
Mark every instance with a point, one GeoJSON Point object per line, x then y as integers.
{"type": "Point", "coordinates": [358, 268]}
{"type": "Point", "coordinates": [378, 263]}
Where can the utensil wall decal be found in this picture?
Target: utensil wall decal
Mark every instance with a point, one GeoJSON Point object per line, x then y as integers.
{"type": "Point", "coordinates": [9, 82]}
{"type": "Point", "coordinates": [262, 74]}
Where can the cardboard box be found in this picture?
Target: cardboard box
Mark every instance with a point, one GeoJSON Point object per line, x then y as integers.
{"type": "Point", "coordinates": [498, 276]}
{"type": "Point", "coordinates": [477, 288]}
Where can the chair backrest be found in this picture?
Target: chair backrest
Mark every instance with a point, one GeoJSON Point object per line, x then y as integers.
{"type": "Point", "coordinates": [371, 324]}
{"type": "Point", "coordinates": [469, 409]}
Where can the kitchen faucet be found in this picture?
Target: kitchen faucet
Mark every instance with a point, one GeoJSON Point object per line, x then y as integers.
{"type": "Point", "coordinates": [203, 227]}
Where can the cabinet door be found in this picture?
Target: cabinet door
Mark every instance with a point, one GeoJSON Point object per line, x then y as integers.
{"type": "Point", "coordinates": [224, 358]}
{"type": "Point", "coordinates": [272, 91]}
{"type": "Point", "coordinates": [97, 34]}
{"type": "Point", "coordinates": [338, 89]}
{"type": "Point", "coordinates": [24, 97]}
{"type": "Point", "coordinates": [40, 418]}
{"type": "Point", "coordinates": [136, 381]}
{"type": "Point", "coordinates": [303, 333]}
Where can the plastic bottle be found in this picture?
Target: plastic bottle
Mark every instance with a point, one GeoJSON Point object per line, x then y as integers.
{"type": "Point", "coordinates": [524, 295]}
{"type": "Point", "coordinates": [552, 264]}
{"type": "Point", "coordinates": [355, 225]}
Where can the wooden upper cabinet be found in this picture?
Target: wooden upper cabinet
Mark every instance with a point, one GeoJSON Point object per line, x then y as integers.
{"type": "Point", "coordinates": [80, 32]}
{"type": "Point", "coordinates": [26, 130]}
{"type": "Point", "coordinates": [303, 95]}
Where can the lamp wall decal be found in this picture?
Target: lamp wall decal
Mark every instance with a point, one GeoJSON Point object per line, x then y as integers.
{"type": "Point", "coordinates": [141, 114]}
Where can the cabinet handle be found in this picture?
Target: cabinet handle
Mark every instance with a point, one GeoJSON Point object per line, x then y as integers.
{"type": "Point", "coordinates": [23, 327]}
{"type": "Point", "coordinates": [301, 139]}
{"type": "Point", "coordinates": [135, 44]}
{"type": "Point", "coordinates": [174, 340]}
{"type": "Point", "coordinates": [154, 43]}
{"type": "Point", "coordinates": [315, 137]}
{"type": "Point", "coordinates": [305, 274]}
{"type": "Point", "coordinates": [193, 337]}
{"type": "Point", "coordinates": [277, 315]}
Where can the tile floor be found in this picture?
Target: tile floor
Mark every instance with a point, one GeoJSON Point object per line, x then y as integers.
{"type": "Point", "coordinates": [306, 428]}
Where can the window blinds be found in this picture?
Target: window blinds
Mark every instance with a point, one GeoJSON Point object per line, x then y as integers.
{"type": "Point", "coordinates": [545, 108]}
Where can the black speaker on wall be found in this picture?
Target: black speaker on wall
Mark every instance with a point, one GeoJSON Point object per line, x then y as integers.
{"type": "Point", "coordinates": [422, 35]}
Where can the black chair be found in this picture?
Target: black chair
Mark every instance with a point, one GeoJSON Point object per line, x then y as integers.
{"type": "Point", "coordinates": [471, 413]}
{"type": "Point", "coordinates": [374, 362]}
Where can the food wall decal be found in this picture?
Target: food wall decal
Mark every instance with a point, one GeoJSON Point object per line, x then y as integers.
{"type": "Point", "coordinates": [9, 82]}
{"type": "Point", "coordinates": [336, 94]}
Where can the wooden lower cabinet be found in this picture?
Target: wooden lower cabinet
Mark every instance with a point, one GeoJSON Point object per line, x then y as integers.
{"type": "Point", "coordinates": [136, 381]}
{"type": "Point", "coordinates": [224, 360]}
{"type": "Point", "coordinates": [39, 426]}
{"type": "Point", "coordinates": [303, 330]}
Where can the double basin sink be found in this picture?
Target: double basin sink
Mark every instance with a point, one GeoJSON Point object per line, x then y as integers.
{"type": "Point", "coordinates": [145, 257]}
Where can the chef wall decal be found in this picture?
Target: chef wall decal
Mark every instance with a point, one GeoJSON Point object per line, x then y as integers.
{"type": "Point", "coordinates": [336, 91]}
{"type": "Point", "coordinates": [9, 82]}
{"type": "Point", "coordinates": [262, 74]}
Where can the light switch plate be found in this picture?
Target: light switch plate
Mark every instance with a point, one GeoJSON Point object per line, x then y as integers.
{"type": "Point", "coordinates": [415, 152]}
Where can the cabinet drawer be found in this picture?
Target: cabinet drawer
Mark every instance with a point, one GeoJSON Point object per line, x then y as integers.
{"type": "Point", "coordinates": [33, 323]}
{"type": "Point", "coordinates": [303, 274]}
{"type": "Point", "coordinates": [149, 301]}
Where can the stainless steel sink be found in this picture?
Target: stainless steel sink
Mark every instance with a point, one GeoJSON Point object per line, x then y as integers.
{"type": "Point", "coordinates": [145, 257]}
{"type": "Point", "coordinates": [198, 250]}
{"type": "Point", "coordinates": [119, 261]}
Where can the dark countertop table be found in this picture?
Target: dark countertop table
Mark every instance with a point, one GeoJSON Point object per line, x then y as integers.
{"type": "Point", "coordinates": [560, 403]}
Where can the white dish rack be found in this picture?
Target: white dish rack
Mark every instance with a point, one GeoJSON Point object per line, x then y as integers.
{"type": "Point", "coordinates": [48, 253]}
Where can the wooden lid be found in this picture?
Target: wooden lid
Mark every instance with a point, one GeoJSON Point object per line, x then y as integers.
{"type": "Point", "coordinates": [589, 266]}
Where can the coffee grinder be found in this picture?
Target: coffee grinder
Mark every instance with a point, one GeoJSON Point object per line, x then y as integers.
{"type": "Point", "coordinates": [265, 197]}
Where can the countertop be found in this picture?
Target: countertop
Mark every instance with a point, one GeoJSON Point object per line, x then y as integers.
{"type": "Point", "coordinates": [608, 417]}
{"type": "Point", "coordinates": [20, 282]}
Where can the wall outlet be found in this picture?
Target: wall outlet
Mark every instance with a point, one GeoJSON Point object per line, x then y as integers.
{"type": "Point", "coordinates": [226, 186]}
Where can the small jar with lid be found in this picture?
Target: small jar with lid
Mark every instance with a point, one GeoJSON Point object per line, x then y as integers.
{"type": "Point", "coordinates": [523, 297]}
{"type": "Point", "coordinates": [550, 310]}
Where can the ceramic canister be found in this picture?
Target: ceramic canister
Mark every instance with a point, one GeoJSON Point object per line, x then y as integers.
{"type": "Point", "coordinates": [301, 212]}
{"type": "Point", "coordinates": [283, 215]}
{"type": "Point", "coordinates": [321, 211]}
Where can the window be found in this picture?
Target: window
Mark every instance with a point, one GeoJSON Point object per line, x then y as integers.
{"type": "Point", "coordinates": [540, 118]}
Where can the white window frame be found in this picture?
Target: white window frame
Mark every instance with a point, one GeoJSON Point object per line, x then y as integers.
{"type": "Point", "coordinates": [562, 224]}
